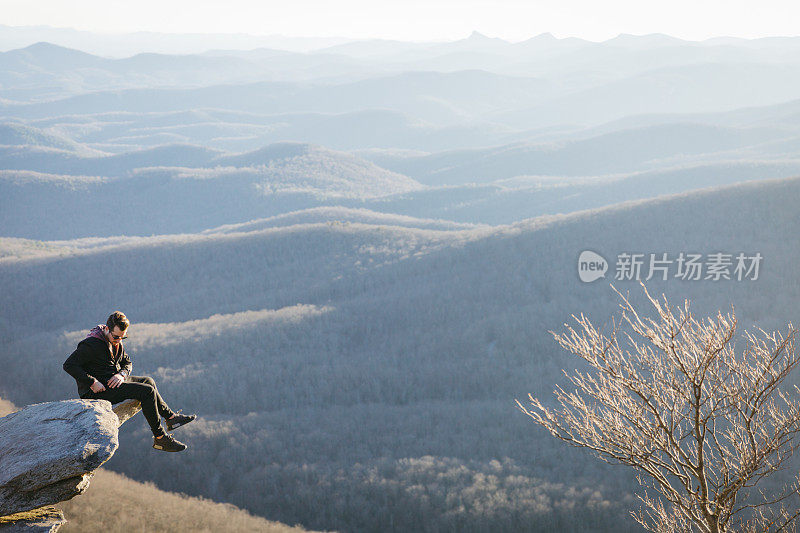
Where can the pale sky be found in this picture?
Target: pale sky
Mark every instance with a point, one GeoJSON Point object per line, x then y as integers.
{"type": "Point", "coordinates": [416, 20]}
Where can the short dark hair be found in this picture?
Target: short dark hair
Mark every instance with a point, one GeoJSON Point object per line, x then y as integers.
{"type": "Point", "coordinates": [118, 318]}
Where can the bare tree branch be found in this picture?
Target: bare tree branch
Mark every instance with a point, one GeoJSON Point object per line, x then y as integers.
{"type": "Point", "coordinates": [671, 398]}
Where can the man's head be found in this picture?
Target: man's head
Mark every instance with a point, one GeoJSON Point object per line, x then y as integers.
{"type": "Point", "coordinates": [117, 326]}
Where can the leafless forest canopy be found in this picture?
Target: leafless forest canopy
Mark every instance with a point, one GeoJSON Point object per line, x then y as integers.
{"type": "Point", "coordinates": [348, 261]}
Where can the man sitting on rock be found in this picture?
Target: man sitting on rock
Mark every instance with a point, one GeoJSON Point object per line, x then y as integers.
{"type": "Point", "coordinates": [103, 372]}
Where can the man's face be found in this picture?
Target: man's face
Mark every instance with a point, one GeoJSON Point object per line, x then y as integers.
{"type": "Point", "coordinates": [116, 335]}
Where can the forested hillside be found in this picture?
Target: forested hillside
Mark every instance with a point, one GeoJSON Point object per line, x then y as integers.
{"type": "Point", "coordinates": [348, 261]}
{"type": "Point", "coordinates": [389, 361]}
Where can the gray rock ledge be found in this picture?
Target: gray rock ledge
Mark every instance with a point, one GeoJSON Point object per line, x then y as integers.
{"type": "Point", "coordinates": [48, 451]}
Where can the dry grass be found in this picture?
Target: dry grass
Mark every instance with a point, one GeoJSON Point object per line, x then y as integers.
{"type": "Point", "coordinates": [115, 503]}
{"type": "Point", "coordinates": [6, 407]}
{"type": "Point", "coordinates": [40, 514]}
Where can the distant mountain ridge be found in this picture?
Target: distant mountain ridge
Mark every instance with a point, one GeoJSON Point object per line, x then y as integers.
{"type": "Point", "coordinates": [169, 199]}
{"type": "Point", "coordinates": [340, 215]}
{"type": "Point", "coordinates": [618, 151]}
{"type": "Point", "coordinates": [45, 157]}
{"type": "Point", "coordinates": [178, 188]}
{"type": "Point", "coordinates": [443, 97]}
{"type": "Point", "coordinates": [128, 44]}
{"type": "Point", "coordinates": [14, 133]}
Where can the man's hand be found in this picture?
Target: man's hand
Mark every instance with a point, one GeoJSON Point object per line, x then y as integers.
{"type": "Point", "coordinates": [116, 380]}
{"type": "Point", "coordinates": [97, 387]}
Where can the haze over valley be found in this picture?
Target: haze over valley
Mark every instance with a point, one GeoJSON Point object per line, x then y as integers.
{"type": "Point", "coordinates": [346, 257]}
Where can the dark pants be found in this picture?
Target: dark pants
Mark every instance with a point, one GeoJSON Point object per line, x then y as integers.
{"type": "Point", "coordinates": [141, 388]}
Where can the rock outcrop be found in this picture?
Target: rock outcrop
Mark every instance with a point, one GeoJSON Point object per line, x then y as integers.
{"type": "Point", "coordinates": [48, 452]}
{"type": "Point", "coordinates": [126, 410]}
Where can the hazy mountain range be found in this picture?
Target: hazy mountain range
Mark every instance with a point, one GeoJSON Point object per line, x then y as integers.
{"type": "Point", "coordinates": [346, 257]}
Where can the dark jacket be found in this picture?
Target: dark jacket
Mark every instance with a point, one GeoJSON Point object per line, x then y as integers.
{"type": "Point", "coordinates": [93, 359]}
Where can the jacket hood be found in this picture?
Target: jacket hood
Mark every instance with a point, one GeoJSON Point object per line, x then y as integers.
{"type": "Point", "coordinates": [99, 332]}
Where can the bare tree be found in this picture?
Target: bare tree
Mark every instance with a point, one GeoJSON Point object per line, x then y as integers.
{"type": "Point", "coordinates": [702, 424]}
